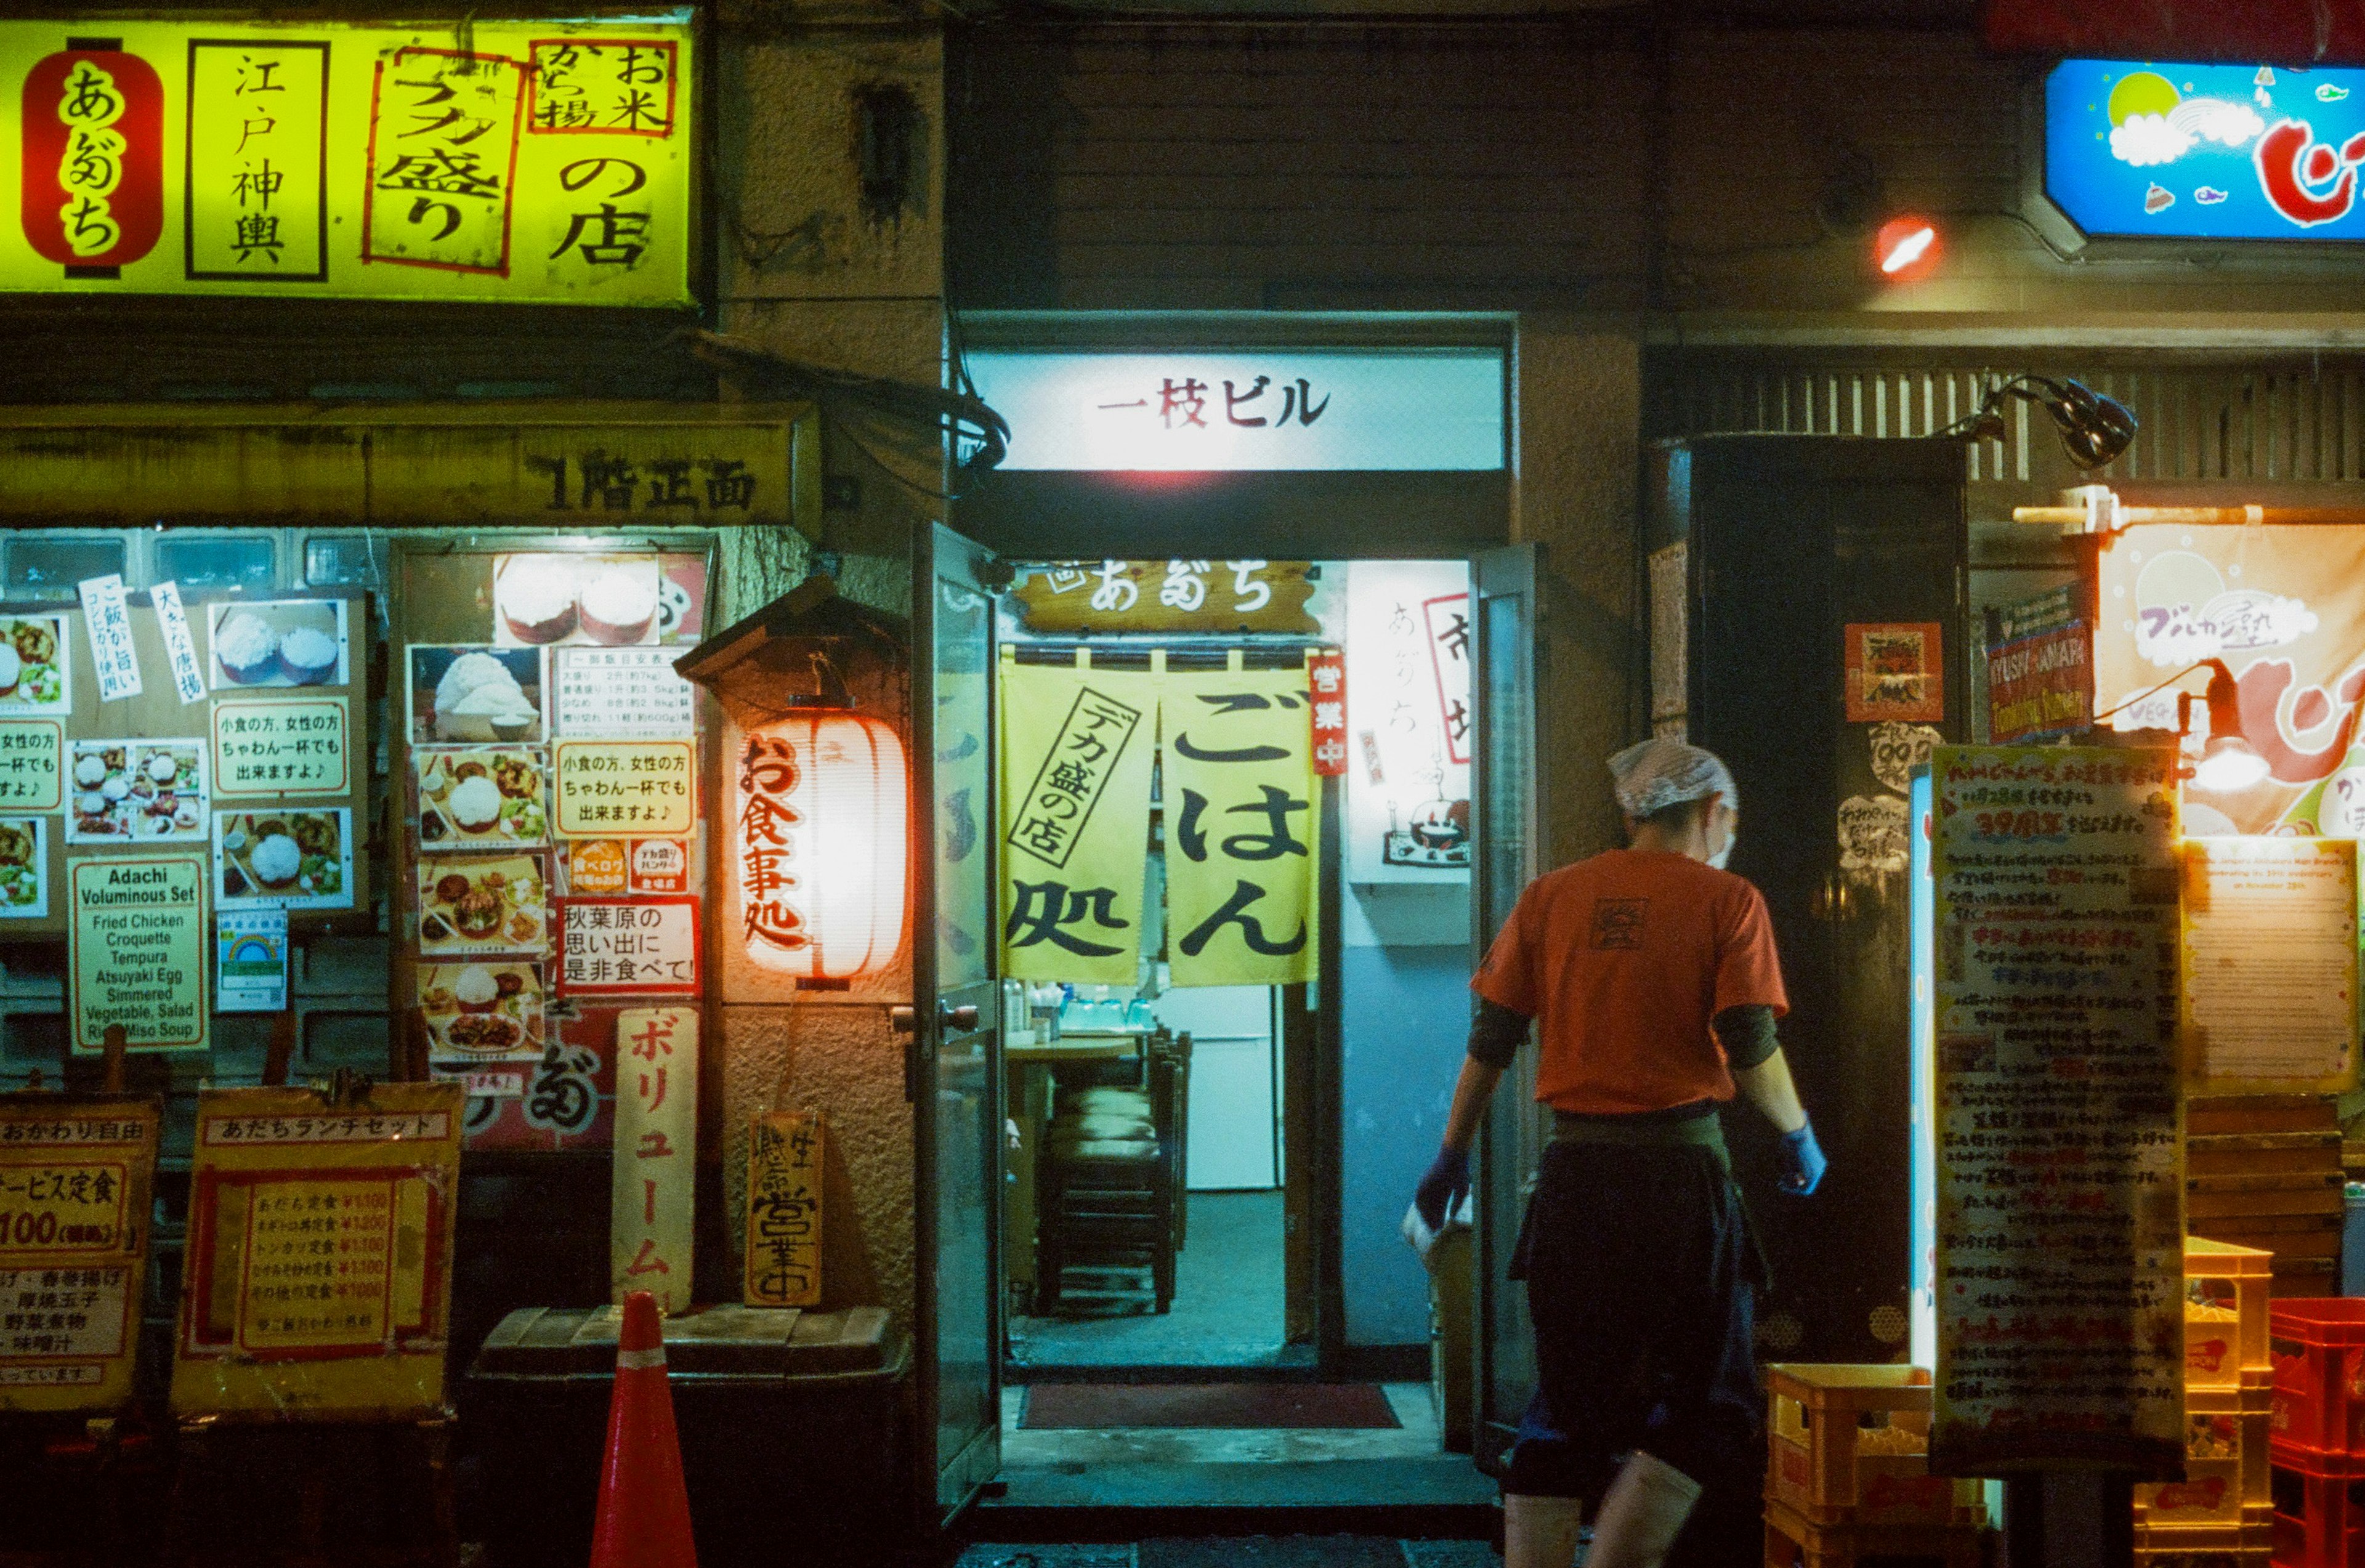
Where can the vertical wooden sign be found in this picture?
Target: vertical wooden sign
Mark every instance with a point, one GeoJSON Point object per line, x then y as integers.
{"type": "Point", "coordinates": [656, 1149]}
{"type": "Point", "coordinates": [784, 1155]}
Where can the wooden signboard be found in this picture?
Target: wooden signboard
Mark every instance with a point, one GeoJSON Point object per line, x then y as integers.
{"type": "Point", "coordinates": [656, 1170]}
{"type": "Point", "coordinates": [76, 1174]}
{"type": "Point", "coordinates": [318, 1285]}
{"type": "Point", "coordinates": [1169, 595]}
{"type": "Point", "coordinates": [784, 1169]}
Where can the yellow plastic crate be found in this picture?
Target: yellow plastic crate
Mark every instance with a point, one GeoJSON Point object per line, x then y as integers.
{"type": "Point", "coordinates": [2226, 1467]}
{"type": "Point", "coordinates": [1849, 1445]}
{"type": "Point", "coordinates": [2226, 1290]}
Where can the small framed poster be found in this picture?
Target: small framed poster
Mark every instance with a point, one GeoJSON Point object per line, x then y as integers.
{"type": "Point", "coordinates": [1895, 670]}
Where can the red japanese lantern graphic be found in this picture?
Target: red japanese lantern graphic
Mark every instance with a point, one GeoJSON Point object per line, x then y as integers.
{"type": "Point", "coordinates": [92, 170]}
{"type": "Point", "coordinates": [818, 813]}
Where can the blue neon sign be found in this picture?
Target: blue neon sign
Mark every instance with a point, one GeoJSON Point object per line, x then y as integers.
{"type": "Point", "coordinates": [2206, 151]}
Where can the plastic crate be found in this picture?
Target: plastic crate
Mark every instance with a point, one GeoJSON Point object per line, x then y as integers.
{"type": "Point", "coordinates": [1849, 1445]}
{"type": "Point", "coordinates": [1791, 1541]}
{"type": "Point", "coordinates": [2226, 1290]}
{"type": "Point", "coordinates": [2319, 1349]}
{"type": "Point", "coordinates": [2225, 1461]}
{"type": "Point", "coordinates": [2319, 1507]}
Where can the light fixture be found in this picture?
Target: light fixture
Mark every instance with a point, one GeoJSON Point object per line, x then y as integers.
{"type": "Point", "coordinates": [819, 807]}
{"type": "Point", "coordinates": [2229, 763]}
{"type": "Point", "coordinates": [1906, 249]}
{"type": "Point", "coordinates": [2094, 429]}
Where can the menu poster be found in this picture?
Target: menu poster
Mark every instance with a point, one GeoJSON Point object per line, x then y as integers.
{"type": "Point", "coordinates": [24, 868]}
{"type": "Point", "coordinates": [622, 694]}
{"type": "Point", "coordinates": [139, 947]}
{"type": "Point", "coordinates": [291, 641]}
{"type": "Point", "coordinates": [645, 946]}
{"type": "Point", "coordinates": [644, 788]}
{"type": "Point", "coordinates": [75, 1178]}
{"type": "Point", "coordinates": [2270, 939]}
{"type": "Point", "coordinates": [35, 671]}
{"type": "Point", "coordinates": [2060, 1249]}
{"type": "Point", "coordinates": [273, 749]}
{"type": "Point", "coordinates": [319, 1274]}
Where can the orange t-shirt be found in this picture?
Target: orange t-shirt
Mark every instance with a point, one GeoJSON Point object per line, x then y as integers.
{"type": "Point", "coordinates": [1622, 961]}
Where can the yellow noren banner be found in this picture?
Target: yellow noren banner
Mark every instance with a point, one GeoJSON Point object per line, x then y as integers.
{"type": "Point", "coordinates": [1242, 828]}
{"type": "Point", "coordinates": [1075, 792]}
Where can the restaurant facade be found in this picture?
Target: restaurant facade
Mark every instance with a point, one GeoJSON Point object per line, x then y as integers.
{"type": "Point", "coordinates": [695, 503]}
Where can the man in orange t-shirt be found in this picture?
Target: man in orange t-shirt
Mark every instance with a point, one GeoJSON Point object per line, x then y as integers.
{"type": "Point", "coordinates": [1651, 979]}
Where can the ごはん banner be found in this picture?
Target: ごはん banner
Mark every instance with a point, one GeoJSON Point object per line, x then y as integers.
{"type": "Point", "coordinates": [530, 160]}
{"type": "Point", "coordinates": [1243, 828]}
{"type": "Point", "coordinates": [1076, 746]}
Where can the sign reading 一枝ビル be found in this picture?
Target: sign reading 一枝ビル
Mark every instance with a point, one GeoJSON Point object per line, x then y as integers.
{"type": "Point", "coordinates": [139, 947]}
{"type": "Point", "coordinates": [2060, 1246]}
{"type": "Point", "coordinates": [75, 1175]}
{"type": "Point", "coordinates": [2205, 152]}
{"type": "Point", "coordinates": [511, 161]}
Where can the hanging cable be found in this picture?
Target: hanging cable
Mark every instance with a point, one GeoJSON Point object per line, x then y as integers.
{"type": "Point", "coordinates": [957, 412]}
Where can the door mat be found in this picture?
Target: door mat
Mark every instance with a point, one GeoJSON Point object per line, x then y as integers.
{"type": "Point", "coordinates": [1090, 1406]}
{"type": "Point", "coordinates": [1273, 1551]}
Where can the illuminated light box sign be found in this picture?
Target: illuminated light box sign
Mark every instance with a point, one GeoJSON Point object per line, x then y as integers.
{"type": "Point", "coordinates": [1422, 409]}
{"type": "Point", "coordinates": [2206, 151]}
{"type": "Point", "coordinates": [508, 161]}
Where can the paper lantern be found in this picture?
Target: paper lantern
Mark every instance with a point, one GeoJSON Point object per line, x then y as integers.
{"type": "Point", "coordinates": [91, 145]}
{"type": "Point", "coordinates": [818, 815]}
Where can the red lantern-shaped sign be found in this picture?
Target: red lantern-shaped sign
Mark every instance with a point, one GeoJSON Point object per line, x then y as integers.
{"type": "Point", "coordinates": [92, 170]}
{"type": "Point", "coordinates": [818, 813]}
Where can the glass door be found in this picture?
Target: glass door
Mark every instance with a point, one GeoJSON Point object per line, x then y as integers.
{"type": "Point", "coordinates": [954, 1077]}
{"type": "Point", "coordinates": [1505, 814]}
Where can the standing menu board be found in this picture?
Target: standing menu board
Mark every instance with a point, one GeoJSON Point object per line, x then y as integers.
{"type": "Point", "coordinates": [2059, 1255]}
{"type": "Point", "coordinates": [75, 1175]}
{"type": "Point", "coordinates": [2271, 938]}
{"type": "Point", "coordinates": [318, 1285]}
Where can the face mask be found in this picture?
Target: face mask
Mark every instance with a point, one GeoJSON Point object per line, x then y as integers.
{"type": "Point", "coordinates": [1718, 859]}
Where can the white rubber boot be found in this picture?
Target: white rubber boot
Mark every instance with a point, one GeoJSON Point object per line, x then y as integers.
{"type": "Point", "coordinates": [1541, 1532]}
{"type": "Point", "coordinates": [1641, 1513]}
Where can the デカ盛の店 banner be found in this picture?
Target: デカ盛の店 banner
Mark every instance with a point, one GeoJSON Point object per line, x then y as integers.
{"type": "Point", "coordinates": [2284, 605]}
{"type": "Point", "coordinates": [544, 161]}
{"type": "Point", "coordinates": [1076, 748]}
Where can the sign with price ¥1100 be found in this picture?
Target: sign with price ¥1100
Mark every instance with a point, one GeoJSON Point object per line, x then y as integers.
{"type": "Point", "coordinates": [75, 1176]}
{"type": "Point", "coordinates": [530, 160]}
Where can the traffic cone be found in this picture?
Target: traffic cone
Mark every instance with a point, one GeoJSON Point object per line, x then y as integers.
{"type": "Point", "coordinates": [643, 1506]}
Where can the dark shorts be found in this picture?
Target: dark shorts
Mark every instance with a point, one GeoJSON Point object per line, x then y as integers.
{"type": "Point", "coordinates": [1641, 1274]}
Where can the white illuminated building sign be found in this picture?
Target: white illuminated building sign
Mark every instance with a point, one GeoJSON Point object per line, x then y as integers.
{"type": "Point", "coordinates": [1305, 410]}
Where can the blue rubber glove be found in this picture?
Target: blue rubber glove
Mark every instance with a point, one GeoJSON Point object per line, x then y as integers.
{"type": "Point", "coordinates": [1802, 1161]}
{"type": "Point", "coordinates": [1442, 1188]}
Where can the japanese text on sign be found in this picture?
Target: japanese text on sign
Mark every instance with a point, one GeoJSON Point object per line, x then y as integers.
{"type": "Point", "coordinates": [32, 765]}
{"type": "Point", "coordinates": [180, 649]}
{"type": "Point", "coordinates": [319, 1263]}
{"type": "Point", "coordinates": [604, 788]}
{"type": "Point", "coordinates": [368, 1126]}
{"type": "Point", "coordinates": [628, 946]}
{"type": "Point", "coordinates": [1073, 890]}
{"type": "Point", "coordinates": [258, 195]}
{"type": "Point", "coordinates": [139, 946]}
{"type": "Point", "coordinates": [1241, 846]}
{"type": "Point", "coordinates": [75, 1193]}
{"type": "Point", "coordinates": [296, 746]}
{"type": "Point", "coordinates": [655, 1172]}
{"type": "Point", "coordinates": [2060, 1247]}
{"type": "Point", "coordinates": [1058, 805]}
{"type": "Point", "coordinates": [108, 621]}
{"type": "Point", "coordinates": [784, 1172]}
{"type": "Point", "coordinates": [623, 694]}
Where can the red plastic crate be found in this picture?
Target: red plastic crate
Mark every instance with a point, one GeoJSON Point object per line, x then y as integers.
{"type": "Point", "coordinates": [2319, 1508]}
{"type": "Point", "coordinates": [2318, 1344]}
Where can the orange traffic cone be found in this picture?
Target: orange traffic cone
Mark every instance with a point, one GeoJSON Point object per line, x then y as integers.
{"type": "Point", "coordinates": [643, 1506]}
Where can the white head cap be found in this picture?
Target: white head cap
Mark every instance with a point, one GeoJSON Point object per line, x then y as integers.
{"type": "Point", "coordinates": [1662, 772]}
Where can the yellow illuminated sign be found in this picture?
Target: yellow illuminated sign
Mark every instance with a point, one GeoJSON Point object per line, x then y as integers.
{"type": "Point", "coordinates": [533, 160]}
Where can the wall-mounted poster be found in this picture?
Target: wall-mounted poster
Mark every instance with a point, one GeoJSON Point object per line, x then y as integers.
{"type": "Point", "coordinates": [621, 693]}
{"type": "Point", "coordinates": [270, 749]}
{"type": "Point", "coordinates": [290, 860]}
{"type": "Point", "coordinates": [35, 672]}
{"type": "Point", "coordinates": [24, 868]}
{"type": "Point", "coordinates": [290, 642]}
{"type": "Point", "coordinates": [483, 1011]}
{"type": "Point", "coordinates": [483, 906]}
{"type": "Point", "coordinates": [32, 765]}
{"type": "Point", "coordinates": [1408, 722]}
{"type": "Point", "coordinates": [138, 949]}
{"type": "Point", "coordinates": [628, 946]}
{"type": "Point", "coordinates": [464, 693]}
{"type": "Point", "coordinates": [601, 787]}
{"type": "Point", "coordinates": [136, 791]}
{"type": "Point", "coordinates": [613, 602]}
{"type": "Point", "coordinates": [1895, 670]}
{"type": "Point", "coordinates": [2270, 939]}
{"type": "Point", "coordinates": [481, 797]}
{"type": "Point", "coordinates": [75, 1179]}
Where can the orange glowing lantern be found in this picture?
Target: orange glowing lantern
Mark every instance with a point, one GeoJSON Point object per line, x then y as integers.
{"type": "Point", "coordinates": [1906, 250]}
{"type": "Point", "coordinates": [819, 812]}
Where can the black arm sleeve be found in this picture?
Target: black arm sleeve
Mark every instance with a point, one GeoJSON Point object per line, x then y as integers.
{"type": "Point", "coordinates": [1747, 1034]}
{"type": "Point", "coordinates": [1496, 1032]}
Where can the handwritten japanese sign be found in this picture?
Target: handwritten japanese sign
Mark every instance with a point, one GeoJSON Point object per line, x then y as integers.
{"type": "Point", "coordinates": [784, 1169]}
{"type": "Point", "coordinates": [523, 161]}
{"type": "Point", "coordinates": [139, 947]}
{"type": "Point", "coordinates": [317, 1283]}
{"type": "Point", "coordinates": [1076, 751]}
{"type": "Point", "coordinates": [180, 649]}
{"type": "Point", "coordinates": [604, 788]}
{"type": "Point", "coordinates": [32, 765]}
{"type": "Point", "coordinates": [622, 694]}
{"type": "Point", "coordinates": [108, 621]}
{"type": "Point", "coordinates": [656, 1154]}
{"type": "Point", "coordinates": [76, 1177]}
{"type": "Point", "coordinates": [1242, 828]}
{"type": "Point", "coordinates": [645, 946]}
{"type": "Point", "coordinates": [1169, 596]}
{"type": "Point", "coordinates": [1407, 807]}
{"type": "Point", "coordinates": [281, 748]}
{"type": "Point", "coordinates": [1896, 670]}
{"type": "Point", "coordinates": [2059, 1256]}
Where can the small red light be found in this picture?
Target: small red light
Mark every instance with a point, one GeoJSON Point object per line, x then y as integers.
{"type": "Point", "coordinates": [1906, 249]}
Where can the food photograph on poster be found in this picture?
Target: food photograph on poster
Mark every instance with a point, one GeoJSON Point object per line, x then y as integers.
{"type": "Point", "coordinates": [292, 859]}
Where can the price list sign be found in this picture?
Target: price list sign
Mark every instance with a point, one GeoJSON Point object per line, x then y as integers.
{"type": "Point", "coordinates": [2059, 1258]}
{"type": "Point", "coordinates": [623, 693]}
{"type": "Point", "coordinates": [291, 746]}
{"type": "Point", "coordinates": [75, 1176]}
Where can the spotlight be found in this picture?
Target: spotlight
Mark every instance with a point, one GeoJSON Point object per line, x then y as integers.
{"type": "Point", "coordinates": [1906, 249]}
{"type": "Point", "coordinates": [2094, 429]}
{"type": "Point", "coordinates": [2229, 765]}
